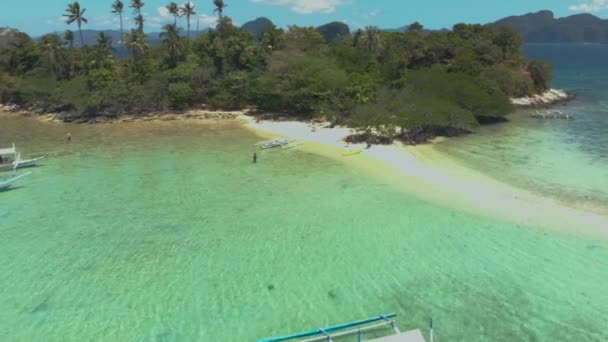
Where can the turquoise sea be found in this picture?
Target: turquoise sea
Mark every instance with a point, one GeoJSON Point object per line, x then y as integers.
{"type": "Point", "coordinates": [565, 160]}
{"type": "Point", "coordinates": [165, 231]}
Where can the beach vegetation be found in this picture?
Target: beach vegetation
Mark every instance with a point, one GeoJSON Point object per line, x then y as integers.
{"type": "Point", "coordinates": [406, 81]}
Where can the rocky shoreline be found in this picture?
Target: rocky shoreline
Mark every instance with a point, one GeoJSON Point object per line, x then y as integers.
{"type": "Point", "coordinates": [194, 114]}
{"type": "Point", "coordinates": [413, 137]}
{"type": "Point", "coordinates": [548, 98]}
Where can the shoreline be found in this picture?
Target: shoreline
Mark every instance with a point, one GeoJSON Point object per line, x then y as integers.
{"type": "Point", "coordinates": [431, 176]}
{"type": "Point", "coordinates": [551, 97]}
{"type": "Point", "coordinates": [191, 114]}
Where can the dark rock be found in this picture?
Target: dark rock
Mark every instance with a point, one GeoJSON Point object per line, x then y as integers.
{"type": "Point", "coordinates": [257, 27]}
{"type": "Point", "coordinates": [332, 294]}
{"type": "Point", "coordinates": [40, 308]}
{"type": "Point", "coordinates": [333, 31]}
{"type": "Point", "coordinates": [490, 120]}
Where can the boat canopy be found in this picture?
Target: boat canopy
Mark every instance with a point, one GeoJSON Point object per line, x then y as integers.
{"type": "Point", "coordinates": [11, 151]}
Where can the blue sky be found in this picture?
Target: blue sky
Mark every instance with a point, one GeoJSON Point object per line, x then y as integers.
{"type": "Point", "coordinates": [40, 16]}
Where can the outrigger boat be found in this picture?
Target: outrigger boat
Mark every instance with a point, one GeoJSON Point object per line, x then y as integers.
{"type": "Point", "coordinates": [22, 163]}
{"type": "Point", "coordinates": [6, 182]}
{"type": "Point", "coordinates": [268, 144]}
{"type": "Point", "coordinates": [357, 328]}
{"type": "Point", "coordinates": [556, 114]}
{"type": "Point", "coordinates": [10, 159]}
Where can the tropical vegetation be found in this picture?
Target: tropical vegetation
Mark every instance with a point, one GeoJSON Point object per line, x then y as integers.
{"type": "Point", "coordinates": [387, 83]}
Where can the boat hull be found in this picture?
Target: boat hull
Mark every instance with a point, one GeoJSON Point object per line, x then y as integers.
{"type": "Point", "coordinates": [6, 182]}
{"type": "Point", "coordinates": [28, 163]}
{"type": "Point", "coordinates": [6, 167]}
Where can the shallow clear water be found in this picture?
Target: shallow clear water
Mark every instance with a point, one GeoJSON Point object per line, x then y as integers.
{"type": "Point", "coordinates": [566, 160]}
{"type": "Point", "coordinates": [167, 232]}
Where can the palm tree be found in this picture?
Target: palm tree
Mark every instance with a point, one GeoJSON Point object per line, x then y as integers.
{"type": "Point", "coordinates": [117, 8]}
{"type": "Point", "coordinates": [187, 10]}
{"type": "Point", "coordinates": [139, 21]}
{"type": "Point", "coordinates": [272, 38]}
{"type": "Point", "coordinates": [357, 37]}
{"type": "Point", "coordinates": [137, 5]}
{"type": "Point", "coordinates": [68, 36]}
{"type": "Point", "coordinates": [74, 14]}
{"type": "Point", "coordinates": [173, 43]}
{"type": "Point", "coordinates": [136, 42]}
{"type": "Point", "coordinates": [371, 39]}
{"type": "Point", "coordinates": [52, 46]}
{"type": "Point", "coordinates": [104, 42]}
{"type": "Point", "coordinates": [173, 9]}
{"type": "Point", "coordinates": [219, 8]}
{"type": "Point", "coordinates": [103, 51]}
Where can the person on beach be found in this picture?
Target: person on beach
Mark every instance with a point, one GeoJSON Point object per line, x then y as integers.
{"type": "Point", "coordinates": [255, 158]}
{"type": "Point", "coordinates": [68, 137]}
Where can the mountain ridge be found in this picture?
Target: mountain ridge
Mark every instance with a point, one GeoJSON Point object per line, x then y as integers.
{"type": "Point", "coordinates": [544, 27]}
{"type": "Point", "coordinates": [536, 27]}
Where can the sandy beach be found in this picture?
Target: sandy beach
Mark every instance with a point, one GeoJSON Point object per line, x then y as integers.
{"type": "Point", "coordinates": [434, 177]}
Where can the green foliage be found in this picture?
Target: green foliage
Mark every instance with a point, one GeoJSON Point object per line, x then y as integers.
{"type": "Point", "coordinates": [180, 95]}
{"type": "Point", "coordinates": [541, 75]}
{"type": "Point", "coordinates": [480, 97]}
{"type": "Point", "coordinates": [304, 85]}
{"type": "Point", "coordinates": [510, 81]}
{"type": "Point", "coordinates": [432, 98]}
{"type": "Point", "coordinates": [374, 80]}
{"type": "Point", "coordinates": [98, 79]}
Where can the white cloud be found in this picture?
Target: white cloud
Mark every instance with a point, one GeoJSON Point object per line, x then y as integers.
{"type": "Point", "coordinates": [306, 6]}
{"type": "Point", "coordinates": [374, 13]}
{"type": "Point", "coordinates": [56, 21]}
{"type": "Point", "coordinates": [163, 12]}
{"type": "Point", "coordinates": [593, 6]}
{"type": "Point", "coordinates": [207, 21]}
{"type": "Point", "coordinates": [163, 17]}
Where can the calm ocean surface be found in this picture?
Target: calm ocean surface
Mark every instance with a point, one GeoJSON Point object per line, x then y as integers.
{"type": "Point", "coordinates": [166, 232]}
{"type": "Point", "coordinates": [566, 160]}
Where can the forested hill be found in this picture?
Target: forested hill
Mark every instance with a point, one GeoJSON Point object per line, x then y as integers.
{"type": "Point", "coordinates": [368, 79]}
{"type": "Point", "coordinates": [543, 27]}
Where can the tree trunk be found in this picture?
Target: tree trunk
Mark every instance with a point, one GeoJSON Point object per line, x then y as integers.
{"type": "Point", "coordinates": [122, 34]}
{"type": "Point", "coordinates": [188, 26]}
{"type": "Point", "coordinates": [82, 39]}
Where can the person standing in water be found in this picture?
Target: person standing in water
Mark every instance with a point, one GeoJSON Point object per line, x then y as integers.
{"type": "Point", "coordinates": [255, 158]}
{"type": "Point", "coordinates": [68, 137]}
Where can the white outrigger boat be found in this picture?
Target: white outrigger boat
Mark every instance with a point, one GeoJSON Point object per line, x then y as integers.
{"type": "Point", "coordinates": [356, 329]}
{"type": "Point", "coordinates": [556, 114]}
{"type": "Point", "coordinates": [10, 159]}
{"type": "Point", "coordinates": [6, 182]}
{"type": "Point", "coordinates": [21, 163]}
{"type": "Point", "coordinates": [268, 144]}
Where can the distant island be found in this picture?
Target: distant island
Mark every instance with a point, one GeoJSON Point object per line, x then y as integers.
{"type": "Point", "coordinates": [409, 85]}
{"type": "Point", "coordinates": [543, 27]}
